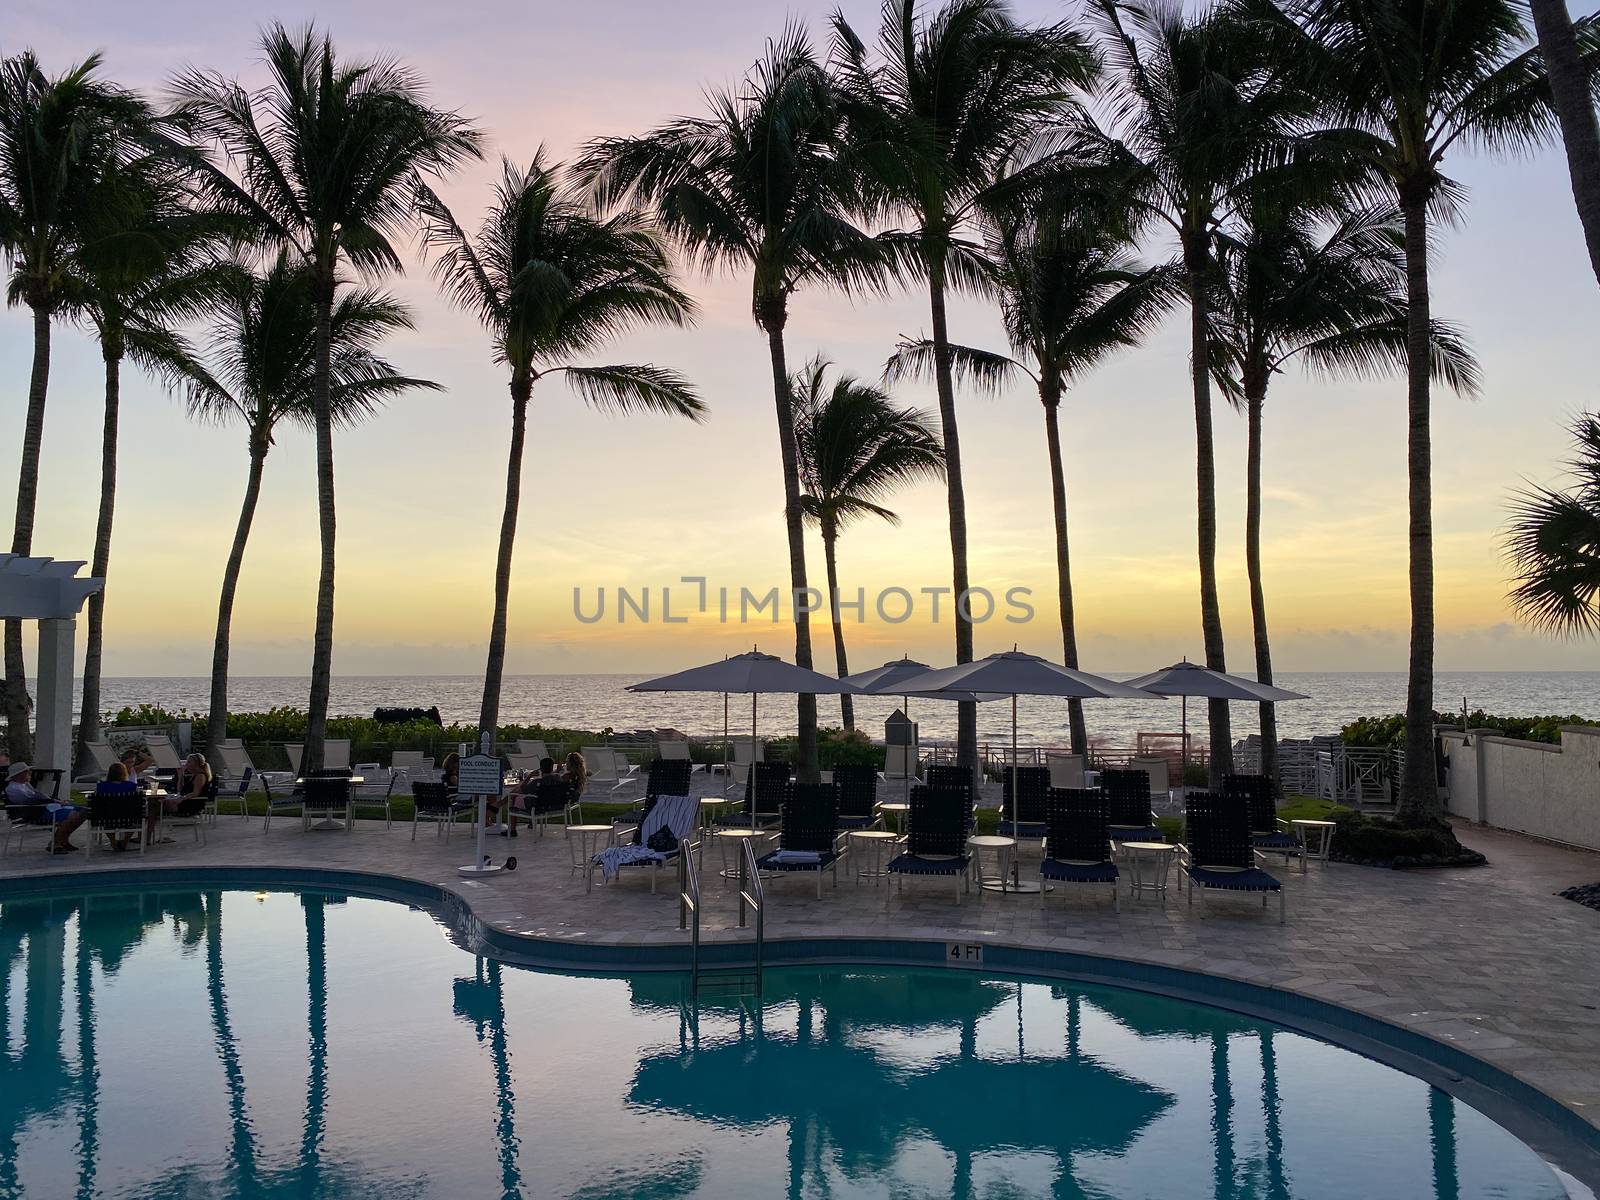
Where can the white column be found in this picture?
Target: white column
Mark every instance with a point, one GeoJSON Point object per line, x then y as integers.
{"type": "Point", "coordinates": [53, 717]}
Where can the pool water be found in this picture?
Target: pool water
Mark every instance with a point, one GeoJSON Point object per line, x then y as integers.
{"type": "Point", "coordinates": [284, 1044]}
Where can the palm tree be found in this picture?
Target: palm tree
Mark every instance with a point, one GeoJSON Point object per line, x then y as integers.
{"type": "Point", "coordinates": [144, 267]}
{"type": "Point", "coordinates": [261, 355]}
{"type": "Point", "coordinates": [855, 448]}
{"type": "Point", "coordinates": [756, 185]}
{"type": "Point", "coordinates": [1198, 109]}
{"type": "Point", "coordinates": [1333, 298]}
{"type": "Point", "coordinates": [58, 138]}
{"type": "Point", "coordinates": [326, 158]}
{"type": "Point", "coordinates": [1405, 81]}
{"type": "Point", "coordinates": [1569, 58]}
{"type": "Point", "coordinates": [949, 99]}
{"type": "Point", "coordinates": [1553, 543]}
{"type": "Point", "coordinates": [1070, 295]}
{"type": "Point", "coordinates": [550, 282]}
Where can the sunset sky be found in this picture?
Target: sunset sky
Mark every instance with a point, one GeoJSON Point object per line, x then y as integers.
{"type": "Point", "coordinates": [643, 501]}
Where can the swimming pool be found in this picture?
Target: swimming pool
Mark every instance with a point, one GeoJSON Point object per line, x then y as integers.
{"type": "Point", "coordinates": [296, 1044]}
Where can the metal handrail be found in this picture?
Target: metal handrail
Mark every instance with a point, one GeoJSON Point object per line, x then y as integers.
{"type": "Point", "coordinates": [689, 910]}
{"type": "Point", "coordinates": [753, 894]}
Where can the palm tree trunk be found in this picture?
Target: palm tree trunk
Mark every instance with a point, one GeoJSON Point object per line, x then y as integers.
{"type": "Point", "coordinates": [830, 540]}
{"type": "Point", "coordinates": [217, 721]}
{"type": "Point", "coordinates": [89, 722]}
{"type": "Point", "coordinates": [19, 706]}
{"type": "Point", "coordinates": [966, 711]}
{"type": "Point", "coordinates": [1221, 760]}
{"type": "Point", "coordinates": [773, 315]}
{"type": "Point", "coordinates": [1050, 394]}
{"type": "Point", "coordinates": [322, 637]}
{"type": "Point", "coordinates": [494, 668]}
{"type": "Point", "coordinates": [1419, 791]}
{"type": "Point", "coordinates": [1255, 397]}
{"type": "Point", "coordinates": [1569, 88]}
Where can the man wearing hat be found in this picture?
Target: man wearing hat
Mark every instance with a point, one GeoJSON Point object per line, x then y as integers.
{"type": "Point", "coordinates": [65, 817]}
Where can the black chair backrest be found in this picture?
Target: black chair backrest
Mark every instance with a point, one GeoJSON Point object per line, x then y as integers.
{"type": "Point", "coordinates": [1079, 825]}
{"type": "Point", "coordinates": [551, 794]}
{"type": "Point", "coordinates": [1256, 791]}
{"type": "Point", "coordinates": [430, 797]}
{"type": "Point", "coordinates": [116, 806]}
{"type": "Point", "coordinates": [667, 777]}
{"type": "Point", "coordinates": [939, 820]}
{"type": "Point", "coordinates": [857, 789]}
{"type": "Point", "coordinates": [1033, 785]}
{"type": "Point", "coordinates": [948, 775]}
{"type": "Point", "coordinates": [1127, 797]}
{"type": "Point", "coordinates": [1217, 828]}
{"type": "Point", "coordinates": [810, 817]}
{"type": "Point", "coordinates": [764, 790]}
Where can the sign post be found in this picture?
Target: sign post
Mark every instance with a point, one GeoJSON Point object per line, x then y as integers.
{"type": "Point", "coordinates": [479, 774]}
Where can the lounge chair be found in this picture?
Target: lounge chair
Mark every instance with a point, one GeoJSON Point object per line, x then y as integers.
{"type": "Point", "coordinates": [1267, 833]}
{"type": "Point", "coordinates": [554, 799]}
{"type": "Point", "coordinates": [662, 777]}
{"type": "Point", "coordinates": [745, 752]}
{"type": "Point", "coordinates": [1033, 785]}
{"type": "Point", "coordinates": [674, 751]}
{"type": "Point", "coordinates": [764, 792]}
{"type": "Point", "coordinates": [1066, 770]}
{"type": "Point", "coordinates": [437, 803]}
{"type": "Point", "coordinates": [1128, 803]}
{"type": "Point", "coordinates": [233, 765]}
{"type": "Point", "coordinates": [335, 754]}
{"type": "Point", "coordinates": [936, 842]}
{"type": "Point", "coordinates": [948, 775]}
{"type": "Point", "coordinates": [328, 794]}
{"type": "Point", "coordinates": [409, 766]}
{"type": "Point", "coordinates": [1217, 854]}
{"type": "Point", "coordinates": [610, 769]}
{"type": "Point", "coordinates": [857, 789]}
{"type": "Point", "coordinates": [100, 756]}
{"type": "Point", "coordinates": [1078, 842]}
{"type": "Point", "coordinates": [159, 747]}
{"type": "Point", "coordinates": [526, 748]}
{"type": "Point", "coordinates": [1160, 772]}
{"type": "Point", "coordinates": [808, 834]}
{"type": "Point", "coordinates": [524, 764]}
{"type": "Point", "coordinates": [115, 810]}
{"type": "Point", "coordinates": [670, 823]}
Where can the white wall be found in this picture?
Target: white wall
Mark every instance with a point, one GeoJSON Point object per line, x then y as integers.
{"type": "Point", "coordinates": [1531, 787]}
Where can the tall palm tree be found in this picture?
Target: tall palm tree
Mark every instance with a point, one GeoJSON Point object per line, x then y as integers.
{"type": "Point", "coordinates": [756, 185]}
{"type": "Point", "coordinates": [549, 282]}
{"type": "Point", "coordinates": [1406, 81]}
{"type": "Point", "coordinates": [1333, 298]}
{"type": "Point", "coordinates": [58, 138]}
{"type": "Point", "coordinates": [855, 448]}
{"type": "Point", "coordinates": [1553, 543]}
{"type": "Point", "coordinates": [1070, 295]}
{"type": "Point", "coordinates": [1198, 108]}
{"type": "Point", "coordinates": [948, 98]}
{"type": "Point", "coordinates": [1569, 57]}
{"type": "Point", "coordinates": [144, 268]}
{"type": "Point", "coordinates": [261, 356]}
{"type": "Point", "coordinates": [322, 161]}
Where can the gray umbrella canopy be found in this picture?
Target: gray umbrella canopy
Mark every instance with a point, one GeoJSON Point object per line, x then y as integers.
{"type": "Point", "coordinates": [1014, 673]}
{"type": "Point", "coordinates": [886, 680]}
{"type": "Point", "coordinates": [751, 673]}
{"type": "Point", "coordinates": [1192, 679]}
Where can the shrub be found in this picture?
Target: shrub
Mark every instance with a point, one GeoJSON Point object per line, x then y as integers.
{"type": "Point", "coordinates": [1391, 730]}
{"type": "Point", "coordinates": [1380, 842]}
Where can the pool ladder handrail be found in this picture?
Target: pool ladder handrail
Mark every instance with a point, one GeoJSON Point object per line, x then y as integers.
{"type": "Point", "coordinates": [753, 895]}
{"type": "Point", "coordinates": [689, 910]}
{"type": "Point", "coordinates": [752, 898]}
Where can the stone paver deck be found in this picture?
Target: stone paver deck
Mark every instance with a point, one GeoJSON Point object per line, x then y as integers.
{"type": "Point", "coordinates": [1489, 960]}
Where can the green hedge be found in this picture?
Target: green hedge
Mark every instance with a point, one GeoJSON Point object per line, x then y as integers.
{"type": "Point", "coordinates": [1391, 730]}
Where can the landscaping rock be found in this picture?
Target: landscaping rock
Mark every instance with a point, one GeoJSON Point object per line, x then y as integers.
{"type": "Point", "coordinates": [1586, 894]}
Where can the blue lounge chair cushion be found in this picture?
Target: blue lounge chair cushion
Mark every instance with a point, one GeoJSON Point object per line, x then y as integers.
{"type": "Point", "coordinates": [856, 822]}
{"type": "Point", "coordinates": [913, 864]}
{"type": "Point", "coordinates": [768, 862]}
{"type": "Point", "coordinates": [1129, 833]}
{"type": "Point", "coordinates": [1064, 872]}
{"type": "Point", "coordinates": [1252, 880]}
{"type": "Point", "coordinates": [1275, 841]}
{"type": "Point", "coordinates": [1023, 829]}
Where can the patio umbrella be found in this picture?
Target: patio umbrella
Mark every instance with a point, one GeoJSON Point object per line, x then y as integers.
{"type": "Point", "coordinates": [1191, 679]}
{"type": "Point", "coordinates": [1014, 673]}
{"type": "Point", "coordinates": [754, 674]}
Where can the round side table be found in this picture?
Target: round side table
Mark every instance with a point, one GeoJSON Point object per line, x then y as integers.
{"type": "Point", "coordinates": [1149, 866]}
{"type": "Point", "coordinates": [1002, 853]}
{"type": "Point", "coordinates": [900, 810]}
{"type": "Point", "coordinates": [1315, 836]}
{"type": "Point", "coordinates": [728, 839]}
{"type": "Point", "coordinates": [585, 841]}
{"type": "Point", "coordinates": [867, 848]}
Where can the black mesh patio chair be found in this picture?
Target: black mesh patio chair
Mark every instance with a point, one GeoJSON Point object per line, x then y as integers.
{"type": "Point", "coordinates": [1218, 854]}
{"type": "Point", "coordinates": [25, 819]}
{"type": "Point", "coordinates": [764, 792]}
{"type": "Point", "coordinates": [950, 776]}
{"type": "Point", "coordinates": [936, 840]}
{"type": "Point", "coordinates": [281, 798]}
{"type": "Point", "coordinates": [437, 803]}
{"type": "Point", "coordinates": [553, 798]}
{"type": "Point", "coordinates": [1128, 805]}
{"type": "Point", "coordinates": [116, 810]}
{"type": "Point", "coordinates": [857, 789]}
{"type": "Point", "coordinates": [327, 793]}
{"type": "Point", "coordinates": [1078, 841]}
{"type": "Point", "coordinates": [1266, 833]}
{"type": "Point", "coordinates": [1033, 785]}
{"type": "Point", "coordinates": [808, 833]}
{"type": "Point", "coordinates": [662, 777]}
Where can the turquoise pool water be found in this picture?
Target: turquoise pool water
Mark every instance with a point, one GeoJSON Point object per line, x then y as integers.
{"type": "Point", "coordinates": [283, 1044]}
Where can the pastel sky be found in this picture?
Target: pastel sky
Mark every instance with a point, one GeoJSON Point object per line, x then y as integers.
{"type": "Point", "coordinates": [641, 502]}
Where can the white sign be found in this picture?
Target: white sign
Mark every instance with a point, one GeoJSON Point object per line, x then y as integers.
{"type": "Point", "coordinates": [963, 954]}
{"type": "Point", "coordinates": [479, 775]}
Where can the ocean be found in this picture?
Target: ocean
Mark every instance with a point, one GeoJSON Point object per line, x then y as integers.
{"type": "Point", "coordinates": [602, 701]}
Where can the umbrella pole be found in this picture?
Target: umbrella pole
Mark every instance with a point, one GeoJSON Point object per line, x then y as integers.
{"type": "Point", "coordinates": [1185, 738]}
{"type": "Point", "coordinates": [1016, 869]}
{"type": "Point", "coordinates": [727, 773]}
{"type": "Point", "coordinates": [753, 787]}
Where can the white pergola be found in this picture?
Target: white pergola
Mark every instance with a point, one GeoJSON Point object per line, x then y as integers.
{"type": "Point", "coordinates": [47, 591]}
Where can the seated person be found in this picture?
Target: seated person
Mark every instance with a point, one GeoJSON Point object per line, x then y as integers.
{"type": "Point", "coordinates": [188, 788]}
{"type": "Point", "coordinates": [135, 759]}
{"type": "Point", "coordinates": [117, 783]}
{"type": "Point", "coordinates": [64, 817]}
{"type": "Point", "coordinates": [450, 770]}
{"type": "Point", "coordinates": [518, 799]}
{"type": "Point", "coordinates": [577, 772]}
